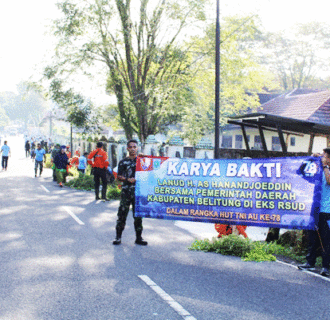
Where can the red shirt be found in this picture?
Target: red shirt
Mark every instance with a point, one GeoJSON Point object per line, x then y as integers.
{"type": "Point", "coordinates": [100, 160]}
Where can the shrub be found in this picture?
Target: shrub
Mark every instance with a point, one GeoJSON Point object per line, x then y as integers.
{"type": "Point", "coordinates": [73, 171]}
{"type": "Point", "coordinates": [227, 245]}
{"type": "Point", "coordinates": [201, 245]}
{"type": "Point", "coordinates": [233, 245]}
{"type": "Point", "coordinates": [296, 239]}
{"type": "Point", "coordinates": [113, 191]}
{"type": "Point", "coordinates": [48, 163]}
{"type": "Point", "coordinates": [259, 253]}
{"type": "Point", "coordinates": [86, 182]}
{"type": "Point", "coordinates": [247, 249]}
{"type": "Point", "coordinates": [81, 182]}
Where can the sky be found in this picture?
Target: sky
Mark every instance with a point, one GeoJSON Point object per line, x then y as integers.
{"type": "Point", "coordinates": [26, 44]}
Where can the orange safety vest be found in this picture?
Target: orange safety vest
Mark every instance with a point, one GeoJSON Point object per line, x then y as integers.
{"type": "Point", "coordinates": [100, 159]}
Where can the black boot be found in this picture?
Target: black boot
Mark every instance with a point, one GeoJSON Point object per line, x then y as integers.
{"type": "Point", "coordinates": [139, 239]}
{"type": "Point", "coordinates": [97, 194]}
{"type": "Point", "coordinates": [118, 237]}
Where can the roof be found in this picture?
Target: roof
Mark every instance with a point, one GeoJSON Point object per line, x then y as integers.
{"type": "Point", "coordinates": [151, 139]}
{"type": "Point", "coordinates": [268, 121]}
{"type": "Point", "coordinates": [204, 143]}
{"type": "Point", "coordinates": [301, 110]}
{"type": "Point", "coordinates": [265, 97]}
{"type": "Point", "coordinates": [176, 141]}
{"type": "Point", "coordinates": [300, 104]}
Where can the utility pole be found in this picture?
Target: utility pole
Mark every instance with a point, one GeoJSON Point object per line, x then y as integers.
{"type": "Point", "coordinates": [50, 124]}
{"type": "Point", "coordinates": [217, 86]}
{"type": "Point", "coordinates": [71, 145]}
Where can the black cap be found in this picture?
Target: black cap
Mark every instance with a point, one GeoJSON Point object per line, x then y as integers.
{"type": "Point", "coordinates": [327, 150]}
{"type": "Point", "coordinates": [99, 144]}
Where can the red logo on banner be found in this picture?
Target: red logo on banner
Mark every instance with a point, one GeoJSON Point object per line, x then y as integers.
{"type": "Point", "coordinates": [146, 163]}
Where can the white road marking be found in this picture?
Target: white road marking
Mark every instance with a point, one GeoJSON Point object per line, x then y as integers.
{"type": "Point", "coordinates": [43, 187]}
{"type": "Point", "coordinates": [73, 216]}
{"type": "Point", "coordinates": [287, 264]}
{"type": "Point", "coordinates": [305, 271]}
{"type": "Point", "coordinates": [175, 305]}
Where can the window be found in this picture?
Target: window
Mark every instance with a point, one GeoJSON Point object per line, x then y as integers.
{"type": "Point", "coordinates": [227, 142]}
{"type": "Point", "coordinates": [276, 144]}
{"type": "Point", "coordinates": [257, 143]}
{"type": "Point", "coordinates": [293, 141]}
{"type": "Point", "coordinates": [238, 141]}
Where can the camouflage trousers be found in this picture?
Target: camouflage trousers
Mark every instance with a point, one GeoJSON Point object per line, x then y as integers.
{"type": "Point", "coordinates": [127, 198]}
{"type": "Point", "coordinates": [38, 164]}
{"type": "Point", "coordinates": [61, 175]}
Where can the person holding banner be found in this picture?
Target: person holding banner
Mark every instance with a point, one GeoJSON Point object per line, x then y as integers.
{"type": "Point", "coordinates": [321, 236]}
{"type": "Point", "coordinates": [126, 174]}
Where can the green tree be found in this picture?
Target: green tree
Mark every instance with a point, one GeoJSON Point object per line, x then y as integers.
{"type": "Point", "coordinates": [79, 111]}
{"type": "Point", "coordinates": [299, 58]}
{"type": "Point", "coordinates": [242, 78]}
{"type": "Point", "coordinates": [140, 47]}
{"type": "Point", "coordinates": [27, 105]}
{"type": "Point", "coordinates": [4, 119]}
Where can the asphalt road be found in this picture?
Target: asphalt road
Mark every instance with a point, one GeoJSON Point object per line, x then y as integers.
{"type": "Point", "coordinates": [58, 262]}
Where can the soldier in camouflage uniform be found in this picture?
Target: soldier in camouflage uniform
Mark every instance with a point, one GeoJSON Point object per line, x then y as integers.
{"type": "Point", "coordinates": [126, 174]}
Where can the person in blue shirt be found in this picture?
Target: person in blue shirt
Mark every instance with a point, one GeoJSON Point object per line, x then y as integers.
{"type": "Point", "coordinates": [321, 236]}
{"type": "Point", "coordinates": [39, 159]}
{"type": "Point", "coordinates": [83, 162]}
{"type": "Point", "coordinates": [5, 150]}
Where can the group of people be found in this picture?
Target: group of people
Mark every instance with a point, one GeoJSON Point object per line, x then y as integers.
{"type": "Point", "coordinates": [30, 147]}
{"type": "Point", "coordinates": [61, 159]}
{"type": "Point", "coordinates": [98, 160]}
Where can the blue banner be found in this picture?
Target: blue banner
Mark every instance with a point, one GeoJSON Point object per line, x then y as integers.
{"type": "Point", "coordinates": [277, 192]}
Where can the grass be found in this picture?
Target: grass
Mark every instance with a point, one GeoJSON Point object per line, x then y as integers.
{"type": "Point", "coordinates": [250, 250]}
{"type": "Point", "coordinates": [86, 182]}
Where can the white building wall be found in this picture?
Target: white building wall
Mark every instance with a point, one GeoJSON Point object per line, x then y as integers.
{"type": "Point", "coordinates": [204, 154]}
{"type": "Point", "coordinates": [171, 151]}
{"type": "Point", "coordinates": [319, 144]}
{"type": "Point", "coordinates": [300, 143]}
{"type": "Point", "coordinates": [151, 149]}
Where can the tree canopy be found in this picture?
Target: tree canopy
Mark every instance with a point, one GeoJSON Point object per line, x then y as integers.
{"type": "Point", "coordinates": [28, 105]}
{"type": "Point", "coordinates": [298, 58]}
{"type": "Point", "coordinates": [79, 111]}
{"type": "Point", "coordinates": [4, 119]}
{"type": "Point", "coordinates": [242, 77]}
{"type": "Point", "coordinates": [145, 63]}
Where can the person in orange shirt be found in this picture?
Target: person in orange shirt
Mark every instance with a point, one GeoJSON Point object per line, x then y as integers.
{"type": "Point", "coordinates": [98, 159]}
